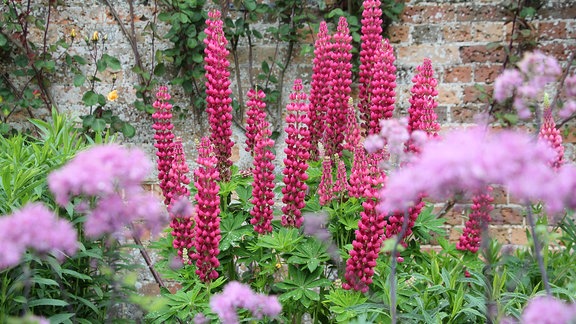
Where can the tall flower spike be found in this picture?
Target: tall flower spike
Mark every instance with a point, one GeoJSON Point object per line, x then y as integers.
{"type": "Point", "coordinates": [326, 183]}
{"type": "Point", "coordinates": [164, 138]}
{"type": "Point", "coordinates": [366, 246]}
{"type": "Point", "coordinates": [382, 94]}
{"type": "Point", "coordinates": [550, 134]}
{"type": "Point", "coordinates": [263, 186]}
{"type": "Point", "coordinates": [218, 100]}
{"type": "Point", "coordinates": [357, 186]}
{"type": "Point", "coordinates": [319, 92]}
{"type": "Point", "coordinates": [341, 183]}
{"type": "Point", "coordinates": [256, 121]}
{"type": "Point", "coordinates": [182, 224]}
{"type": "Point", "coordinates": [479, 215]}
{"type": "Point", "coordinates": [207, 214]}
{"type": "Point", "coordinates": [422, 103]}
{"type": "Point", "coordinates": [352, 135]}
{"type": "Point", "coordinates": [297, 155]}
{"type": "Point", "coordinates": [371, 41]}
{"type": "Point", "coordinates": [181, 220]}
{"type": "Point", "coordinates": [339, 84]}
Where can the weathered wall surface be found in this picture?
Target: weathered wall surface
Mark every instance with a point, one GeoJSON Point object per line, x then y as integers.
{"type": "Point", "coordinates": [453, 34]}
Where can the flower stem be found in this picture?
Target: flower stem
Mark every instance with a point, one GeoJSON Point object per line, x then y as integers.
{"type": "Point", "coordinates": [537, 248]}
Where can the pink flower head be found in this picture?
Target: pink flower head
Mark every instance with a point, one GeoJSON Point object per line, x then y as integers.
{"type": "Point", "coordinates": [526, 85]}
{"type": "Point", "coordinates": [371, 42]}
{"type": "Point", "coordinates": [207, 236]}
{"type": "Point", "coordinates": [471, 237]}
{"type": "Point", "coordinates": [366, 246]}
{"type": "Point", "coordinates": [471, 159]}
{"type": "Point", "coordinates": [113, 175]}
{"type": "Point", "coordinates": [319, 93]}
{"type": "Point", "coordinates": [548, 310]}
{"type": "Point", "coordinates": [35, 227]}
{"type": "Point", "coordinates": [218, 100]}
{"type": "Point", "coordinates": [383, 83]}
{"type": "Point", "coordinates": [236, 295]}
{"type": "Point", "coordinates": [263, 186]}
{"type": "Point", "coordinates": [256, 121]}
{"type": "Point", "coordinates": [506, 84]}
{"type": "Point", "coordinates": [164, 138]}
{"type": "Point", "coordinates": [297, 155]}
{"type": "Point", "coordinates": [551, 135]}
{"type": "Point", "coordinates": [339, 85]}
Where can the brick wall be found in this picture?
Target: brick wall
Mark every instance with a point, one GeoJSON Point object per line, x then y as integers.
{"type": "Point", "coordinates": [454, 34]}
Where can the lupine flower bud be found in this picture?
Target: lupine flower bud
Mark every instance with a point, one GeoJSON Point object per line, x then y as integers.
{"type": "Point", "coordinates": [207, 238]}
{"type": "Point", "coordinates": [297, 155]}
{"type": "Point", "coordinates": [551, 135]}
{"type": "Point", "coordinates": [479, 216]}
{"type": "Point", "coordinates": [218, 100]}
{"type": "Point", "coordinates": [319, 92]}
{"type": "Point", "coordinates": [164, 139]}
{"type": "Point", "coordinates": [366, 246]}
{"type": "Point", "coordinates": [256, 121]}
{"type": "Point", "coordinates": [339, 85]}
{"type": "Point", "coordinates": [371, 42]}
{"type": "Point", "coordinates": [263, 186]}
{"type": "Point", "coordinates": [326, 183]}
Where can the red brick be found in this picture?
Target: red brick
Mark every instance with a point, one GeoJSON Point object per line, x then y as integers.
{"type": "Point", "coordinates": [447, 95]}
{"type": "Point", "coordinates": [500, 195]}
{"type": "Point", "coordinates": [518, 236]}
{"type": "Point", "coordinates": [488, 31]}
{"type": "Point", "coordinates": [558, 10]}
{"type": "Point", "coordinates": [474, 12]}
{"type": "Point", "coordinates": [507, 215]}
{"type": "Point", "coordinates": [458, 74]}
{"type": "Point", "coordinates": [486, 72]}
{"type": "Point", "coordinates": [459, 32]}
{"type": "Point", "coordinates": [464, 114]}
{"type": "Point", "coordinates": [456, 215]}
{"type": "Point", "coordinates": [560, 51]}
{"type": "Point", "coordinates": [398, 33]}
{"type": "Point", "coordinates": [552, 30]}
{"type": "Point", "coordinates": [482, 54]}
{"type": "Point", "coordinates": [472, 94]}
{"type": "Point", "coordinates": [455, 233]}
{"type": "Point", "coordinates": [501, 234]}
{"type": "Point", "coordinates": [435, 13]}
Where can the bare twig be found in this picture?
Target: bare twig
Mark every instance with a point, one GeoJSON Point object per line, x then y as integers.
{"type": "Point", "coordinates": [447, 207]}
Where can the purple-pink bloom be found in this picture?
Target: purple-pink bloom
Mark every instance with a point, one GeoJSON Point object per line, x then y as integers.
{"type": "Point", "coordinates": [548, 310]}
{"type": "Point", "coordinates": [113, 175]}
{"type": "Point", "coordinates": [236, 295]}
{"type": "Point", "coordinates": [471, 159]}
{"type": "Point", "coordinates": [35, 227]}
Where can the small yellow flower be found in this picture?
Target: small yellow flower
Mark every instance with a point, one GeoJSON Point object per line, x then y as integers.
{"type": "Point", "coordinates": [95, 36]}
{"type": "Point", "coordinates": [278, 266]}
{"type": "Point", "coordinates": [546, 100]}
{"type": "Point", "coordinates": [113, 95]}
{"type": "Point", "coordinates": [73, 33]}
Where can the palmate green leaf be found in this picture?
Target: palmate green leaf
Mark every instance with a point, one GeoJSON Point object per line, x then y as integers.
{"type": "Point", "coordinates": [311, 253]}
{"type": "Point", "coordinates": [285, 240]}
{"type": "Point", "coordinates": [233, 230]}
